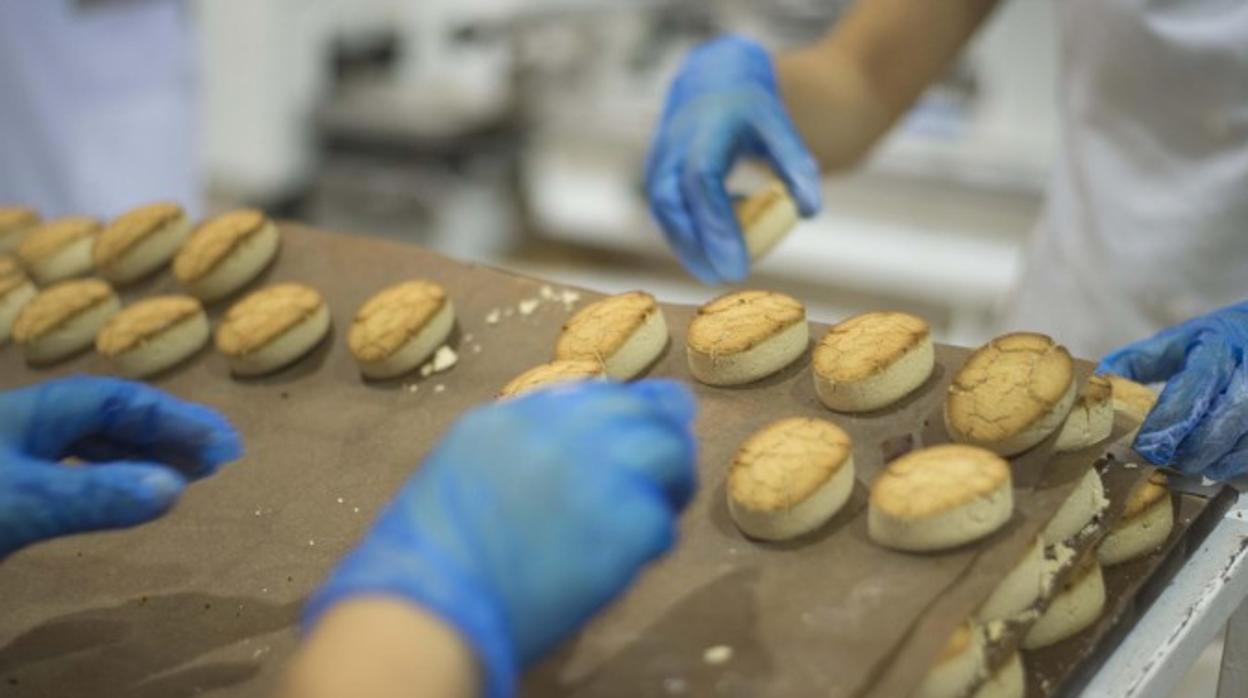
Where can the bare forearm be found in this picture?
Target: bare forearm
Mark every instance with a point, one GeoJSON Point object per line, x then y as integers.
{"type": "Point", "coordinates": [382, 648]}
{"type": "Point", "coordinates": [847, 90]}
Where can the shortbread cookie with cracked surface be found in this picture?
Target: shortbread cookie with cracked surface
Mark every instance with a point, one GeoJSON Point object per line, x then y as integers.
{"type": "Point", "coordinates": [790, 478]}
{"type": "Point", "coordinates": [1145, 525]}
{"type": "Point", "coordinates": [1091, 420]}
{"type": "Point", "coordinates": [63, 319]}
{"type": "Point", "coordinates": [1011, 394]}
{"type": "Point", "coordinates": [399, 328]}
{"type": "Point", "coordinates": [16, 222]}
{"type": "Point", "coordinates": [626, 333]}
{"type": "Point", "coordinates": [1075, 608]}
{"type": "Point", "coordinates": [960, 665]}
{"type": "Point", "coordinates": [16, 290]}
{"type": "Point", "coordinates": [871, 361]}
{"type": "Point", "coordinates": [550, 374]}
{"type": "Point", "coordinates": [272, 328]}
{"type": "Point", "coordinates": [153, 335]}
{"type": "Point", "coordinates": [139, 242]}
{"type": "Point", "coordinates": [940, 497]}
{"type": "Point", "coordinates": [766, 217]}
{"type": "Point", "coordinates": [59, 249]}
{"type": "Point", "coordinates": [226, 253]}
{"type": "Point", "coordinates": [745, 336]}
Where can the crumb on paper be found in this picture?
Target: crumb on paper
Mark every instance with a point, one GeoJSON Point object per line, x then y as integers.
{"type": "Point", "coordinates": [340, 500]}
{"type": "Point", "coordinates": [413, 388]}
{"type": "Point", "coordinates": [718, 654]}
{"type": "Point", "coordinates": [468, 338]}
{"type": "Point", "coordinates": [675, 686]}
{"type": "Point", "coordinates": [996, 630]}
{"type": "Point", "coordinates": [355, 509]}
{"type": "Point", "coordinates": [257, 512]}
{"type": "Point", "coordinates": [439, 388]}
{"type": "Point", "coordinates": [528, 305]}
{"type": "Point", "coordinates": [569, 298]}
{"type": "Point", "coordinates": [547, 293]}
{"type": "Point", "coordinates": [426, 370]}
{"type": "Point", "coordinates": [491, 318]}
{"type": "Point", "coordinates": [444, 359]}
{"type": "Point", "coordinates": [476, 348]}
{"type": "Point", "coordinates": [1130, 465]}
{"type": "Point", "coordinates": [311, 542]}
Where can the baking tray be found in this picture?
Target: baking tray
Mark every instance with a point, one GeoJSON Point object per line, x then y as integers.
{"type": "Point", "coordinates": [208, 597]}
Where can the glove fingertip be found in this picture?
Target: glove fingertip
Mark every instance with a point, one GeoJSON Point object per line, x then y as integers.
{"type": "Point", "coordinates": [670, 398]}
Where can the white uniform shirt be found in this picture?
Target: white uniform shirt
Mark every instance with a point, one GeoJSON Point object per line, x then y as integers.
{"type": "Point", "coordinates": [96, 105]}
{"type": "Point", "coordinates": [1147, 218]}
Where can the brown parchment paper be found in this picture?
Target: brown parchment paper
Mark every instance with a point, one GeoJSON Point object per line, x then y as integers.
{"type": "Point", "coordinates": [207, 598]}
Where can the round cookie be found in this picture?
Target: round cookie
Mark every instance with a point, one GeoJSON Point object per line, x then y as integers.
{"type": "Point", "coordinates": [1091, 420]}
{"type": "Point", "coordinates": [59, 249]}
{"type": "Point", "coordinates": [940, 497]}
{"type": "Point", "coordinates": [1133, 401]}
{"type": "Point", "coordinates": [272, 327]}
{"type": "Point", "coordinates": [550, 374]}
{"type": "Point", "coordinates": [1011, 393]}
{"type": "Point", "coordinates": [226, 253]}
{"type": "Point", "coordinates": [960, 665]}
{"type": "Point", "coordinates": [742, 337]}
{"type": "Point", "coordinates": [871, 361]}
{"type": "Point", "coordinates": [16, 290]}
{"type": "Point", "coordinates": [399, 328]}
{"type": "Point", "coordinates": [63, 319]}
{"type": "Point", "coordinates": [790, 478]}
{"type": "Point", "coordinates": [1081, 508]}
{"type": "Point", "coordinates": [140, 241]}
{"type": "Point", "coordinates": [1074, 609]}
{"type": "Point", "coordinates": [16, 222]}
{"type": "Point", "coordinates": [626, 333]}
{"type": "Point", "coordinates": [153, 335]}
{"type": "Point", "coordinates": [765, 217]}
{"type": "Point", "coordinates": [1009, 681]}
{"type": "Point", "coordinates": [1146, 523]}
{"type": "Point", "coordinates": [1019, 591]}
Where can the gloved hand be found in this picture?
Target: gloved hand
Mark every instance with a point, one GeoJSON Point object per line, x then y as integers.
{"type": "Point", "coordinates": [530, 516]}
{"type": "Point", "coordinates": [132, 432]}
{"type": "Point", "coordinates": [1200, 423]}
{"type": "Point", "coordinates": [723, 104]}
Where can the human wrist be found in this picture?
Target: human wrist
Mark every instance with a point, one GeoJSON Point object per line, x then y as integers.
{"type": "Point", "coordinates": [383, 647]}
{"type": "Point", "coordinates": [832, 103]}
{"type": "Point", "coordinates": [393, 564]}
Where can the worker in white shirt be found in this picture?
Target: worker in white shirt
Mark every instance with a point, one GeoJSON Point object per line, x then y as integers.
{"type": "Point", "coordinates": [1147, 218]}
{"type": "Point", "coordinates": [97, 105]}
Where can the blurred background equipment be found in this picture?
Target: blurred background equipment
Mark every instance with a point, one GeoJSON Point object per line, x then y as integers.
{"type": "Point", "coordinates": [514, 133]}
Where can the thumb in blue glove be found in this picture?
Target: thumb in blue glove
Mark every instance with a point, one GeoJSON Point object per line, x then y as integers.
{"type": "Point", "coordinates": [724, 104]}
{"type": "Point", "coordinates": [1200, 422]}
{"type": "Point", "coordinates": [529, 517]}
{"type": "Point", "coordinates": [133, 434]}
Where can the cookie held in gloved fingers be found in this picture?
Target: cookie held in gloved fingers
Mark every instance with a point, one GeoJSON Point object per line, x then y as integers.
{"type": "Point", "coordinates": [1200, 423]}
{"type": "Point", "coordinates": [724, 104]}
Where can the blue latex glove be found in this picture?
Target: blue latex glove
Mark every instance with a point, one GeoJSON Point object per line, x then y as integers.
{"type": "Point", "coordinates": [724, 104]}
{"type": "Point", "coordinates": [131, 431]}
{"type": "Point", "coordinates": [1200, 423]}
{"type": "Point", "coordinates": [530, 516]}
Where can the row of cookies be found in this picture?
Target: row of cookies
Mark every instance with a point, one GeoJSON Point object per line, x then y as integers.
{"type": "Point", "coordinates": [1028, 596]}
{"type": "Point", "coordinates": [210, 261]}
{"type": "Point", "coordinates": [393, 333]}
